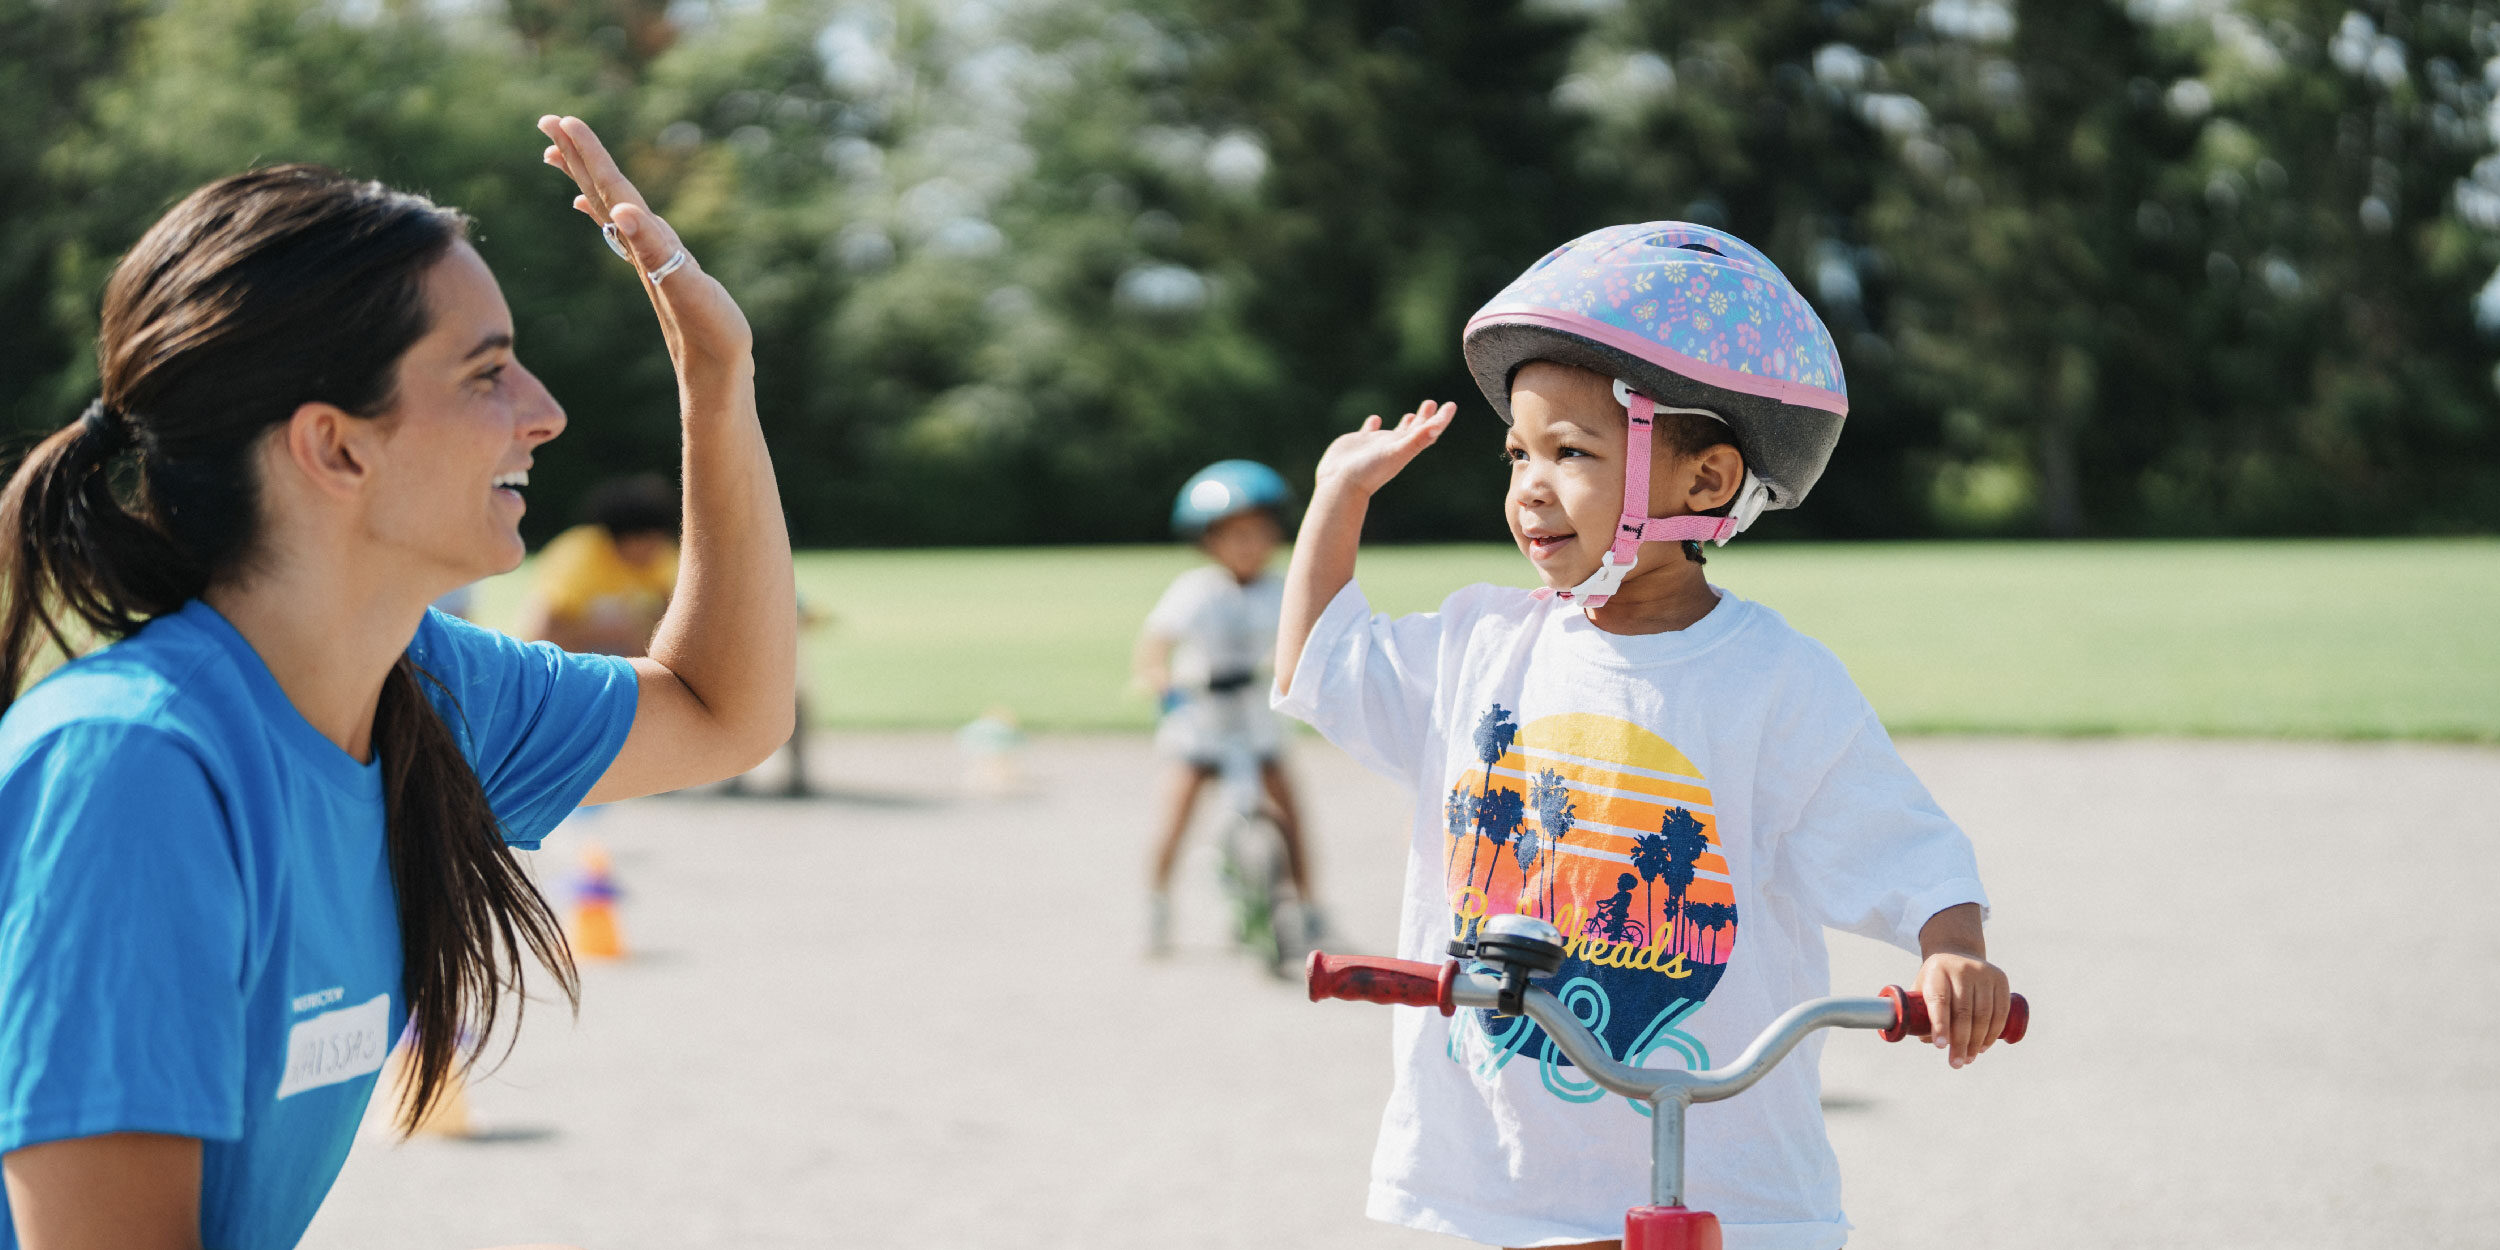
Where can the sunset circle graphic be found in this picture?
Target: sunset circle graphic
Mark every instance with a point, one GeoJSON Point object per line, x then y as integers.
{"type": "Point", "coordinates": [1607, 831]}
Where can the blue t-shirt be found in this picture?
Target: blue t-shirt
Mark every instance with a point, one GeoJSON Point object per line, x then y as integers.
{"type": "Point", "coordinates": [197, 929]}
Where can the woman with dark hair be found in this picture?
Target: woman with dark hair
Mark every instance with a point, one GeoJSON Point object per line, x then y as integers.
{"type": "Point", "coordinates": [269, 824]}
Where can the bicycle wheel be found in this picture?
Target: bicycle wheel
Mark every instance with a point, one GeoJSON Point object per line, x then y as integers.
{"type": "Point", "coordinates": [1255, 881]}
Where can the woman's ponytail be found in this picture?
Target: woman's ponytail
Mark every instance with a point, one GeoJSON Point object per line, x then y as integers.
{"type": "Point", "coordinates": [73, 547]}
{"type": "Point", "coordinates": [466, 910]}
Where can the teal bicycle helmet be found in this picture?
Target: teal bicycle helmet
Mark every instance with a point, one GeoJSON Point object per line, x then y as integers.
{"type": "Point", "coordinates": [1226, 488]}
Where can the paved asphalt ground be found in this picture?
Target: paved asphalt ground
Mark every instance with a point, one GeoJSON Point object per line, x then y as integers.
{"type": "Point", "coordinates": [2267, 979]}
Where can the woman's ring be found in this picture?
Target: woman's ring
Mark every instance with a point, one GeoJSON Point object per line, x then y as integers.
{"type": "Point", "coordinates": [674, 264]}
{"type": "Point", "coordinates": [615, 244]}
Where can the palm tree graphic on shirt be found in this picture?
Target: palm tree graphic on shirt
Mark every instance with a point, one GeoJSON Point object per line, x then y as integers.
{"type": "Point", "coordinates": [1495, 731]}
{"type": "Point", "coordinates": [1526, 847]}
{"type": "Point", "coordinates": [1500, 816]}
{"type": "Point", "coordinates": [1710, 918]}
{"type": "Point", "coordinates": [1685, 845]}
{"type": "Point", "coordinates": [1649, 858]}
{"type": "Point", "coordinates": [1555, 816]}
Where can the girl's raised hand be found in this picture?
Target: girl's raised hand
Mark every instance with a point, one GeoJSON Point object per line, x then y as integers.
{"type": "Point", "coordinates": [1365, 460]}
{"type": "Point", "coordinates": [705, 328]}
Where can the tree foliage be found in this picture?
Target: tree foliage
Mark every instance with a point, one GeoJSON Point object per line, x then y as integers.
{"type": "Point", "coordinates": [2153, 267]}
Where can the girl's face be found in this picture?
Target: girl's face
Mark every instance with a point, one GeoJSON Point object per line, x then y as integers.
{"type": "Point", "coordinates": [1566, 453]}
{"type": "Point", "coordinates": [1243, 543]}
{"type": "Point", "coordinates": [458, 441]}
{"type": "Point", "coordinates": [1565, 449]}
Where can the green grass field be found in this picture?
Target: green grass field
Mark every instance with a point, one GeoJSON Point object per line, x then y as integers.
{"type": "Point", "coordinates": [2344, 639]}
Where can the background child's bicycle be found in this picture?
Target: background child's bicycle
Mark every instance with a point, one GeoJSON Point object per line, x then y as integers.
{"type": "Point", "coordinates": [1514, 950]}
{"type": "Point", "coordinates": [1267, 916]}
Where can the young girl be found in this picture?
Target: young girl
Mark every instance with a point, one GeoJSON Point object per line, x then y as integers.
{"type": "Point", "coordinates": [1687, 788]}
{"type": "Point", "coordinates": [270, 824]}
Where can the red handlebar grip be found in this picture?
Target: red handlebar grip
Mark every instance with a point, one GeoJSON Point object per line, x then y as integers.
{"type": "Point", "coordinates": [1375, 979]}
{"type": "Point", "coordinates": [1910, 1016]}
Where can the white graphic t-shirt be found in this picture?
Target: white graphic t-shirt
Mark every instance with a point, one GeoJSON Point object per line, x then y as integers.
{"type": "Point", "coordinates": [1690, 809]}
{"type": "Point", "coordinates": [1223, 637]}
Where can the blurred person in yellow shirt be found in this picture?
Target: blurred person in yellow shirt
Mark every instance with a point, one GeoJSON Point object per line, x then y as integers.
{"type": "Point", "coordinates": [602, 585]}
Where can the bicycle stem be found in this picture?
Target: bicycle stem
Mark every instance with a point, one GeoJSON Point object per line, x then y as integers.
{"type": "Point", "coordinates": [1669, 1092]}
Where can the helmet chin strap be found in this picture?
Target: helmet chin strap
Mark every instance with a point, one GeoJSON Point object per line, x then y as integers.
{"type": "Point", "coordinates": [1634, 528]}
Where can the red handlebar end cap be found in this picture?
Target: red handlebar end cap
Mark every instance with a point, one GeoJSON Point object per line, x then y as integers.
{"type": "Point", "coordinates": [1904, 1003]}
{"type": "Point", "coordinates": [1449, 979]}
{"type": "Point", "coordinates": [2017, 1020]}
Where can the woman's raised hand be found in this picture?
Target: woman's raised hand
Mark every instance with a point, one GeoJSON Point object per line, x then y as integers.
{"type": "Point", "coordinates": [704, 327]}
{"type": "Point", "coordinates": [1365, 459]}
{"type": "Point", "coordinates": [715, 689]}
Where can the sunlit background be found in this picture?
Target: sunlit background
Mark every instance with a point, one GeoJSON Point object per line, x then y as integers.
{"type": "Point", "coordinates": [2166, 267]}
{"type": "Point", "coordinates": [2172, 331]}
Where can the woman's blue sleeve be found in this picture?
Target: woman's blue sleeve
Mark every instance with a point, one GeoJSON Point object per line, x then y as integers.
{"type": "Point", "coordinates": [540, 724]}
{"type": "Point", "coordinates": [123, 940]}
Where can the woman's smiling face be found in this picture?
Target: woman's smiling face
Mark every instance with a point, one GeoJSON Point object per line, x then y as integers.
{"type": "Point", "coordinates": [464, 422]}
{"type": "Point", "coordinates": [1565, 449]}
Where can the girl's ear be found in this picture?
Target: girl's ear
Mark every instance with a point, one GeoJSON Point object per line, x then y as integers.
{"type": "Point", "coordinates": [1716, 475]}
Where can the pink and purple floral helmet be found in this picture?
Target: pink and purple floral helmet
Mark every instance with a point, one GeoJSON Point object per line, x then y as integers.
{"type": "Point", "coordinates": [1688, 317]}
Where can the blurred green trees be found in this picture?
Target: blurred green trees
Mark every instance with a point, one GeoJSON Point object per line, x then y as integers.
{"type": "Point", "coordinates": [2162, 266]}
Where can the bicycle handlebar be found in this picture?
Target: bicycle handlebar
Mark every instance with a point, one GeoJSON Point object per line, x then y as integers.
{"type": "Point", "coordinates": [1668, 1091]}
{"type": "Point", "coordinates": [1910, 1016]}
{"type": "Point", "coordinates": [1378, 979]}
{"type": "Point", "coordinates": [1410, 983]}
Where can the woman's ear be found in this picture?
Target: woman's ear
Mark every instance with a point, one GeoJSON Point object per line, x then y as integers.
{"type": "Point", "coordinates": [1717, 474]}
{"type": "Point", "coordinates": [327, 448]}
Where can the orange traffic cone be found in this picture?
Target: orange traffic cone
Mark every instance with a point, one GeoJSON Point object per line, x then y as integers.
{"type": "Point", "coordinates": [593, 927]}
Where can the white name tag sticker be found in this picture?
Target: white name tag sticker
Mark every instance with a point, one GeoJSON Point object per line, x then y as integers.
{"type": "Point", "coordinates": [337, 1046]}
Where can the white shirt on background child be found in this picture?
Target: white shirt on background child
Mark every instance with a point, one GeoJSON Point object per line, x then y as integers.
{"type": "Point", "coordinates": [1222, 632]}
{"type": "Point", "coordinates": [1690, 808]}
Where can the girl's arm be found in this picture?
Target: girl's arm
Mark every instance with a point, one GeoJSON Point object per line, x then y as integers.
{"type": "Point", "coordinates": [114, 1191]}
{"type": "Point", "coordinates": [718, 690]}
{"type": "Point", "coordinates": [1355, 467]}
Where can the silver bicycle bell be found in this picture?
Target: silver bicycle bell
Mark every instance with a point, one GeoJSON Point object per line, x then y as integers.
{"type": "Point", "coordinates": [1521, 948]}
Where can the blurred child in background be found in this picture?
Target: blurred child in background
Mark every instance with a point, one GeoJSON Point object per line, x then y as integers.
{"type": "Point", "coordinates": [1204, 653]}
{"type": "Point", "coordinates": [603, 585]}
